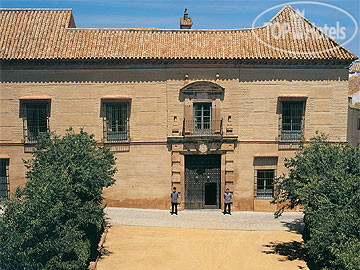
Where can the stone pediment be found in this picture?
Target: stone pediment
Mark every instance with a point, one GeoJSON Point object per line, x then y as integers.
{"type": "Point", "coordinates": [201, 87]}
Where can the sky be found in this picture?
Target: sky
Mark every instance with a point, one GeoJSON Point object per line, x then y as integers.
{"type": "Point", "coordinates": [341, 18]}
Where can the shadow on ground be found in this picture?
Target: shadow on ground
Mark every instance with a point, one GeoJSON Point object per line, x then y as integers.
{"type": "Point", "coordinates": [296, 225]}
{"type": "Point", "coordinates": [290, 250]}
{"type": "Point", "coordinates": [102, 250]}
{"type": "Point", "coordinates": [104, 253]}
{"type": "Point", "coordinates": [293, 250]}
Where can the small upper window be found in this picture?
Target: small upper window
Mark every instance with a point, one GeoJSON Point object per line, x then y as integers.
{"type": "Point", "coordinates": [292, 120]}
{"type": "Point", "coordinates": [265, 183]}
{"type": "Point", "coordinates": [116, 122]}
{"type": "Point", "coordinates": [4, 179]}
{"type": "Point", "coordinates": [358, 126]}
{"type": "Point", "coordinates": [37, 121]}
{"type": "Point", "coordinates": [35, 115]}
{"type": "Point", "coordinates": [202, 118]}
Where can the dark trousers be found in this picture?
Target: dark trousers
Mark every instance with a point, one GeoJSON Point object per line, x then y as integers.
{"type": "Point", "coordinates": [173, 206]}
{"type": "Point", "coordinates": [227, 205]}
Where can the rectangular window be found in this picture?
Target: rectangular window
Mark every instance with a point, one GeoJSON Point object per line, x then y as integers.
{"type": "Point", "coordinates": [292, 121]}
{"type": "Point", "coordinates": [117, 122]}
{"type": "Point", "coordinates": [265, 183]}
{"type": "Point", "coordinates": [202, 118]}
{"type": "Point", "coordinates": [35, 119]}
{"type": "Point", "coordinates": [358, 126]}
{"type": "Point", "coordinates": [4, 183]}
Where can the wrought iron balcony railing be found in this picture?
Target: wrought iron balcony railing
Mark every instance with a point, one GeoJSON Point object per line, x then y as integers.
{"type": "Point", "coordinates": [113, 136]}
{"type": "Point", "coordinates": [265, 193]}
{"type": "Point", "coordinates": [33, 135]}
{"type": "Point", "coordinates": [291, 135]}
{"type": "Point", "coordinates": [202, 128]}
{"type": "Point", "coordinates": [116, 131]}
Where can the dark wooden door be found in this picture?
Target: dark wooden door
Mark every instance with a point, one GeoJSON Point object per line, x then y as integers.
{"type": "Point", "coordinates": [202, 181]}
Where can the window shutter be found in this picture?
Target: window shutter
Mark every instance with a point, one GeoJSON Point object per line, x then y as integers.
{"type": "Point", "coordinates": [25, 133]}
{"type": "Point", "coordinates": [303, 120]}
{"type": "Point", "coordinates": [280, 123]}
{"type": "Point", "coordinates": [47, 111]}
{"type": "Point", "coordinates": [216, 117]}
{"type": "Point", "coordinates": [103, 113]}
{"type": "Point", "coordinates": [188, 117]}
{"type": "Point", "coordinates": [24, 117]}
{"type": "Point", "coordinates": [127, 121]}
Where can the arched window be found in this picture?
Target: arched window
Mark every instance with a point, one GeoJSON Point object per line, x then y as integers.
{"type": "Point", "coordinates": [202, 114]}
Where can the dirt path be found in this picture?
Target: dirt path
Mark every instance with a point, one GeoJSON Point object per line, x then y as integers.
{"type": "Point", "coordinates": [140, 248]}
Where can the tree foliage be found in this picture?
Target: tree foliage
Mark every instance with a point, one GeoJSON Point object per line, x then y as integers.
{"type": "Point", "coordinates": [55, 221]}
{"type": "Point", "coordinates": [325, 179]}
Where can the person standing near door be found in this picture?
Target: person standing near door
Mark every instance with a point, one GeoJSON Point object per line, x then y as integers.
{"type": "Point", "coordinates": [227, 201]}
{"type": "Point", "coordinates": [174, 201]}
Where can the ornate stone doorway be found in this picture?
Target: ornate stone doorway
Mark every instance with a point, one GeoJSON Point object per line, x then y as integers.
{"type": "Point", "coordinates": [202, 181]}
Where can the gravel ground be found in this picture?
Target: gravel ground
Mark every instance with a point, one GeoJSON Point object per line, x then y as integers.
{"type": "Point", "coordinates": [206, 219]}
{"type": "Point", "coordinates": [155, 248]}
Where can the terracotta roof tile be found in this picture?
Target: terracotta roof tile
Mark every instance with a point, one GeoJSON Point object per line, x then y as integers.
{"type": "Point", "coordinates": [46, 34]}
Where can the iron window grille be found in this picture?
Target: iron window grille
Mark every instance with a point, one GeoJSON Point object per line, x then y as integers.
{"type": "Point", "coordinates": [292, 121]}
{"type": "Point", "coordinates": [36, 121]}
{"type": "Point", "coordinates": [4, 179]}
{"type": "Point", "coordinates": [117, 122]}
{"type": "Point", "coordinates": [265, 183]}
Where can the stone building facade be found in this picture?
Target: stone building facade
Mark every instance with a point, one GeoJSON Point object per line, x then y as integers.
{"type": "Point", "coordinates": [354, 125]}
{"type": "Point", "coordinates": [354, 104]}
{"type": "Point", "coordinates": [197, 109]}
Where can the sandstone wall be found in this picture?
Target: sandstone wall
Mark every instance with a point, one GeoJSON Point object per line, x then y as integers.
{"type": "Point", "coordinates": [251, 97]}
{"type": "Point", "coordinates": [353, 134]}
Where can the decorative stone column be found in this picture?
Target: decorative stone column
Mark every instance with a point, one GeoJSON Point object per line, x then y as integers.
{"type": "Point", "coordinates": [177, 172]}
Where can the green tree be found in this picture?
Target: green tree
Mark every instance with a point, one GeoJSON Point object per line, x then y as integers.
{"type": "Point", "coordinates": [55, 221]}
{"type": "Point", "coordinates": [325, 179]}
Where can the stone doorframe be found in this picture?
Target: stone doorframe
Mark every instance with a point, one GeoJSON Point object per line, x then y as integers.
{"type": "Point", "coordinates": [180, 148]}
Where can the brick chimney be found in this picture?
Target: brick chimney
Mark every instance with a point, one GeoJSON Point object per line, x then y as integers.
{"type": "Point", "coordinates": [185, 22]}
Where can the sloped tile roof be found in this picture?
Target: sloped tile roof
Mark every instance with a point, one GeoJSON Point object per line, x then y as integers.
{"type": "Point", "coordinates": [354, 85]}
{"type": "Point", "coordinates": [52, 34]}
{"type": "Point", "coordinates": [355, 67]}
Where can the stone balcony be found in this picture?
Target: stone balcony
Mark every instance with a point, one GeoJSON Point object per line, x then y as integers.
{"type": "Point", "coordinates": [192, 130]}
